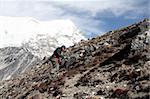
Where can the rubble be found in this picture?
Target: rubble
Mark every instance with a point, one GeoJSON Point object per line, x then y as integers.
{"type": "Point", "coordinates": [115, 65]}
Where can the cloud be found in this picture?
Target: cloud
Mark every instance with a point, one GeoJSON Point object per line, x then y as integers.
{"type": "Point", "coordinates": [89, 15]}
{"type": "Point", "coordinates": [37, 10]}
{"type": "Point", "coordinates": [117, 7]}
{"type": "Point", "coordinates": [86, 14]}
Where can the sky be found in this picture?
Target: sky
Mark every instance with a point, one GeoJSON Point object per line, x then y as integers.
{"type": "Point", "coordinates": [93, 17]}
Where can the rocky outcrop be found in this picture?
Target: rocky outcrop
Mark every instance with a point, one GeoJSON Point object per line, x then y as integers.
{"type": "Point", "coordinates": [114, 65]}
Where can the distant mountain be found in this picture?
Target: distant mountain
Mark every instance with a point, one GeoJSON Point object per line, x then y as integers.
{"type": "Point", "coordinates": [24, 41]}
{"type": "Point", "coordinates": [115, 65]}
{"type": "Point", "coordinates": [39, 37]}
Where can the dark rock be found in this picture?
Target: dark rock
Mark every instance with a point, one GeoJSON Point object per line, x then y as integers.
{"type": "Point", "coordinates": [120, 93]}
{"type": "Point", "coordinates": [80, 95]}
{"type": "Point", "coordinates": [100, 92]}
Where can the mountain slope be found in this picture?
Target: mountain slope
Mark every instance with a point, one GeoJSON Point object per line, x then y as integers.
{"type": "Point", "coordinates": [115, 65]}
{"type": "Point", "coordinates": [14, 61]}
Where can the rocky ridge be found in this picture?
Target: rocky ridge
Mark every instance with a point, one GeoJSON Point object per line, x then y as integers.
{"type": "Point", "coordinates": [114, 65]}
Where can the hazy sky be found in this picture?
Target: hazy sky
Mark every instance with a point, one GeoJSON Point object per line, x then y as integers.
{"type": "Point", "coordinates": [91, 16]}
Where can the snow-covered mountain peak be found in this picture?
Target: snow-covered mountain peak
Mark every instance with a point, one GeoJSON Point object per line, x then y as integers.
{"type": "Point", "coordinates": [39, 37]}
